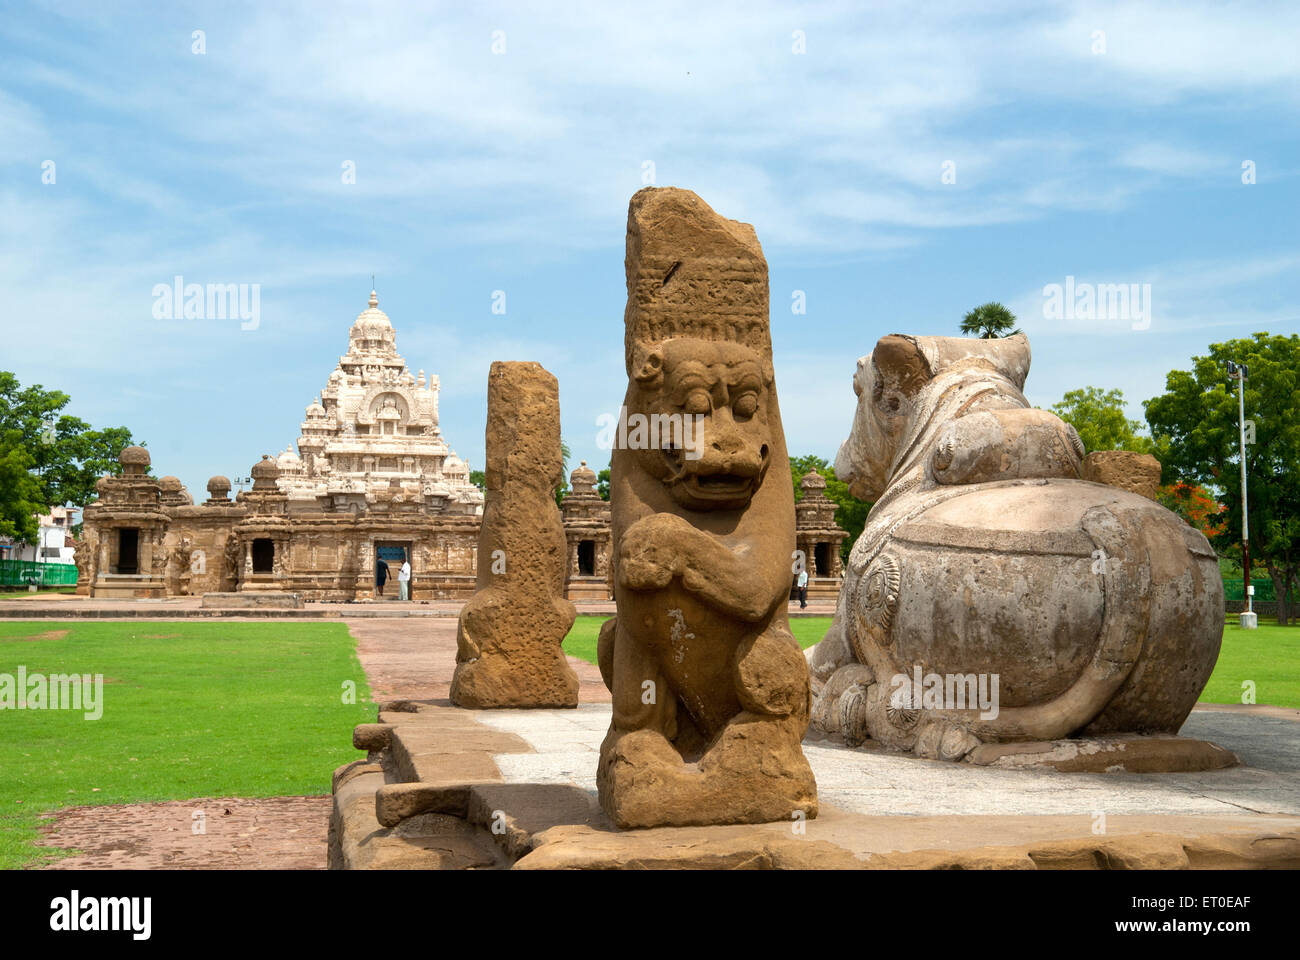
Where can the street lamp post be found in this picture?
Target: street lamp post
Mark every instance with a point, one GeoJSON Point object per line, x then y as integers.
{"type": "Point", "coordinates": [1239, 372]}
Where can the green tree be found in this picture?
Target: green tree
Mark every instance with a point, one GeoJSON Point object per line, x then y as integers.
{"type": "Point", "coordinates": [850, 513]}
{"type": "Point", "coordinates": [478, 478]}
{"type": "Point", "coordinates": [20, 494]}
{"type": "Point", "coordinates": [67, 456]}
{"type": "Point", "coordinates": [1098, 415]}
{"type": "Point", "coordinates": [602, 483]}
{"type": "Point", "coordinates": [1197, 416]}
{"type": "Point", "coordinates": [989, 321]}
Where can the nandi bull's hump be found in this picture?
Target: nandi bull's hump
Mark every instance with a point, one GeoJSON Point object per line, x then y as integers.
{"type": "Point", "coordinates": [1034, 580]}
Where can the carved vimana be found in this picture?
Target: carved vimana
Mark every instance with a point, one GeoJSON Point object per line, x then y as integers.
{"type": "Point", "coordinates": [375, 425]}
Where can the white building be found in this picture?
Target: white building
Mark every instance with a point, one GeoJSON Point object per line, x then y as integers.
{"type": "Point", "coordinates": [373, 429]}
{"type": "Point", "coordinates": [52, 545]}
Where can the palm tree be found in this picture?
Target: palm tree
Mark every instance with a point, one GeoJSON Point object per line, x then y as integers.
{"type": "Point", "coordinates": [563, 488]}
{"type": "Point", "coordinates": [989, 321]}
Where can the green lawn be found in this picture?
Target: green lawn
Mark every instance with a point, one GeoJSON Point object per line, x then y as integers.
{"type": "Point", "coordinates": [189, 710]}
{"type": "Point", "coordinates": [581, 641]}
{"type": "Point", "coordinates": [1269, 657]}
{"type": "Point", "coordinates": [22, 593]}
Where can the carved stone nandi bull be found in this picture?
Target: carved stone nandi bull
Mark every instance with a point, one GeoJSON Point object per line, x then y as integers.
{"type": "Point", "coordinates": [1086, 609]}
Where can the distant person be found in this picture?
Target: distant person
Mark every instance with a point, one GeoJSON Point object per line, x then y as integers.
{"type": "Point", "coordinates": [404, 580]}
{"type": "Point", "coordinates": [381, 576]}
{"type": "Point", "coordinates": [803, 589]}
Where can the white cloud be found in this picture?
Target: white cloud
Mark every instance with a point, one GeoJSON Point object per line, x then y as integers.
{"type": "Point", "coordinates": [226, 168]}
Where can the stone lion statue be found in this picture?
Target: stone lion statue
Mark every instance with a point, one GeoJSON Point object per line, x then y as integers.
{"type": "Point", "coordinates": [1083, 609]}
{"type": "Point", "coordinates": [710, 690]}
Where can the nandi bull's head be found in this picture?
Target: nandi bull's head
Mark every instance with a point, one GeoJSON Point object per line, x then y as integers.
{"type": "Point", "coordinates": [899, 382]}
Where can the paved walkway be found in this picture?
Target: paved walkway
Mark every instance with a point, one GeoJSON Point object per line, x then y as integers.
{"type": "Point", "coordinates": [407, 659]}
{"type": "Point", "coordinates": [878, 783]}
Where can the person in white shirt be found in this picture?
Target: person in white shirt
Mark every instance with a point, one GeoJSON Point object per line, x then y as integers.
{"type": "Point", "coordinates": [803, 589]}
{"type": "Point", "coordinates": [404, 581]}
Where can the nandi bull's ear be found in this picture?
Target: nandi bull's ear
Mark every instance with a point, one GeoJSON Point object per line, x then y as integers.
{"type": "Point", "coordinates": [901, 364]}
{"type": "Point", "coordinates": [1010, 356]}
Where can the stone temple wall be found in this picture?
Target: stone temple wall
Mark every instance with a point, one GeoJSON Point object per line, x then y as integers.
{"type": "Point", "coordinates": [324, 555]}
{"type": "Point", "coordinates": [220, 545]}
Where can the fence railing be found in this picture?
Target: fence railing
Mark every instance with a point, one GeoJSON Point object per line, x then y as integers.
{"type": "Point", "coordinates": [1232, 589]}
{"type": "Point", "coordinates": [22, 573]}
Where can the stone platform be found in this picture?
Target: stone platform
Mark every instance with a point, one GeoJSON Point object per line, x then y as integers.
{"type": "Point", "coordinates": [448, 788]}
{"type": "Point", "coordinates": [251, 600]}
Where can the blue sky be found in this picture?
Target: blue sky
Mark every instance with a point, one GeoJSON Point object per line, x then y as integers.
{"type": "Point", "coordinates": [1100, 141]}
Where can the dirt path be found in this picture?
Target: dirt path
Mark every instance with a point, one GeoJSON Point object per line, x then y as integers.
{"type": "Point", "coordinates": [276, 833]}
{"type": "Point", "coordinates": [411, 658]}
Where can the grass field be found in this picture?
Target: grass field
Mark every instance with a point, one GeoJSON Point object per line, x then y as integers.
{"type": "Point", "coordinates": [581, 641]}
{"type": "Point", "coordinates": [189, 710]}
{"type": "Point", "coordinates": [22, 593]}
{"type": "Point", "coordinates": [1268, 657]}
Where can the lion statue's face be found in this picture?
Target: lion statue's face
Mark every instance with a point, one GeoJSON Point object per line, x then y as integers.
{"type": "Point", "coordinates": [708, 407]}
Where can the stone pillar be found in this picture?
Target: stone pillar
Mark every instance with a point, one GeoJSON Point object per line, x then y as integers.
{"type": "Point", "coordinates": [508, 644]}
{"type": "Point", "coordinates": [701, 544]}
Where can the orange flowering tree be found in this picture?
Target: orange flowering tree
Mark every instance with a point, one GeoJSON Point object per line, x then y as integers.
{"type": "Point", "coordinates": [1195, 505]}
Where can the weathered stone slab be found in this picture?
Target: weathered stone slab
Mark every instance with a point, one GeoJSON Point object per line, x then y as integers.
{"type": "Point", "coordinates": [371, 736]}
{"type": "Point", "coordinates": [1108, 755]}
{"type": "Point", "coordinates": [395, 802]}
{"type": "Point", "coordinates": [449, 756]}
{"type": "Point", "coordinates": [515, 813]}
{"type": "Point", "coordinates": [253, 599]}
{"type": "Point", "coordinates": [1136, 472]}
{"type": "Point", "coordinates": [428, 841]}
{"type": "Point", "coordinates": [508, 646]}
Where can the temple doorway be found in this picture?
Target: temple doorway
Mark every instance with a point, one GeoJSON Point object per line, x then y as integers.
{"type": "Point", "coordinates": [393, 553]}
{"type": "Point", "coordinates": [822, 559]}
{"type": "Point", "coordinates": [128, 550]}
{"type": "Point", "coordinates": [586, 558]}
{"type": "Point", "coordinates": [263, 555]}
